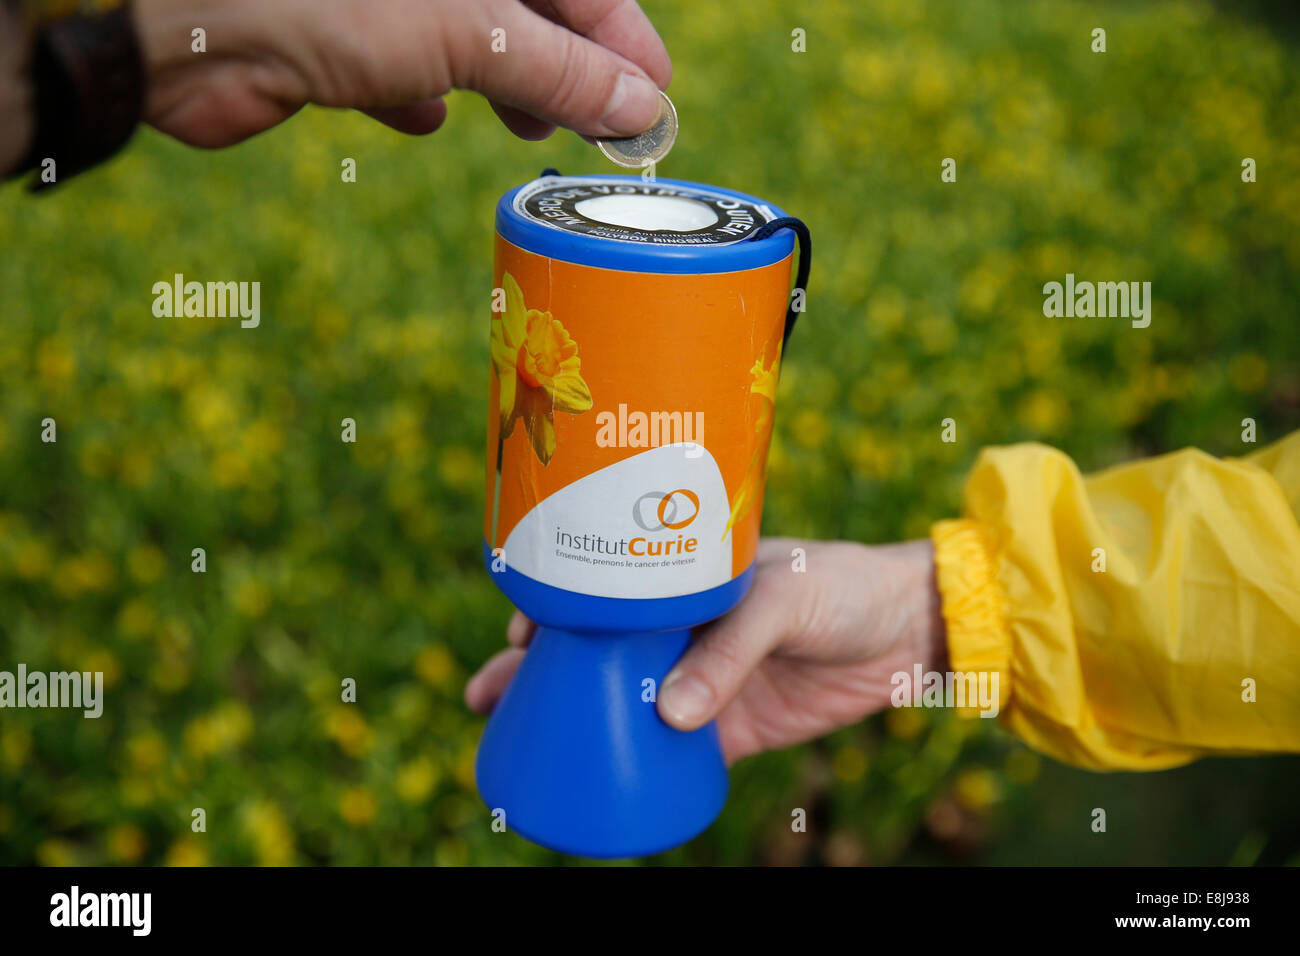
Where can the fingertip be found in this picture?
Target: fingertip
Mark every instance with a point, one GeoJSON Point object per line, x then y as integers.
{"type": "Point", "coordinates": [485, 688]}
{"type": "Point", "coordinates": [658, 65]}
{"type": "Point", "coordinates": [473, 694]}
{"type": "Point", "coordinates": [520, 630]}
{"type": "Point", "coordinates": [524, 125]}
{"type": "Point", "coordinates": [414, 119]}
{"type": "Point", "coordinates": [686, 701]}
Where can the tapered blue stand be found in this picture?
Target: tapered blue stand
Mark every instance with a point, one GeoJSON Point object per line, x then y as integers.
{"type": "Point", "coordinates": [577, 756]}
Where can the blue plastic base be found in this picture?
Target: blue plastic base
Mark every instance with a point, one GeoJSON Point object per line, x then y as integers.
{"type": "Point", "coordinates": [581, 763]}
{"type": "Point", "coordinates": [575, 753]}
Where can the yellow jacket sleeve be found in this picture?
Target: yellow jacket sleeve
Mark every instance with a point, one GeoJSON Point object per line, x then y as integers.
{"type": "Point", "coordinates": [1137, 618]}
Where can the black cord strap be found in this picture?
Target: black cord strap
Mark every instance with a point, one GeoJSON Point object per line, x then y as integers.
{"type": "Point", "coordinates": [799, 293]}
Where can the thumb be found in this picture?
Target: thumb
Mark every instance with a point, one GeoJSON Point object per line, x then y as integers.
{"type": "Point", "coordinates": [723, 656]}
{"type": "Point", "coordinates": [556, 75]}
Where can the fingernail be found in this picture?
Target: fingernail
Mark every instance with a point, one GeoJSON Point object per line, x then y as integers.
{"type": "Point", "coordinates": [633, 107]}
{"type": "Point", "coordinates": [686, 699]}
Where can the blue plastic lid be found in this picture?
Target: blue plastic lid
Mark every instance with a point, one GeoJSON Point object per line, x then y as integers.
{"type": "Point", "coordinates": [625, 223]}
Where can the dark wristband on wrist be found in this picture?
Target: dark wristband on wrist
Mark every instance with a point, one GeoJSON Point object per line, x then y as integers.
{"type": "Point", "coordinates": [87, 74]}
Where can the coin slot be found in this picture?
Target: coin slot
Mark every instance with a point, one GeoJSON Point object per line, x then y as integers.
{"type": "Point", "coordinates": [654, 213]}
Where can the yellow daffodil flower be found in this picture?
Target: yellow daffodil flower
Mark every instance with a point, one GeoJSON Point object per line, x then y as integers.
{"type": "Point", "coordinates": [764, 385]}
{"type": "Point", "coordinates": [537, 368]}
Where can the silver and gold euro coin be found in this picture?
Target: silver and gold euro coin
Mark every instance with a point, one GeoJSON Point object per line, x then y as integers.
{"type": "Point", "coordinates": [644, 149]}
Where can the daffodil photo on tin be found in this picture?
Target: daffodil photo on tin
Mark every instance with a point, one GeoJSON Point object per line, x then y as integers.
{"type": "Point", "coordinates": [538, 371]}
{"type": "Point", "coordinates": [765, 377]}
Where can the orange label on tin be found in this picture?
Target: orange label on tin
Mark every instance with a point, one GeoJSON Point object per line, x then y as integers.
{"type": "Point", "coordinates": [629, 422]}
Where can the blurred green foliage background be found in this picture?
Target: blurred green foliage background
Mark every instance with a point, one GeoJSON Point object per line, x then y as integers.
{"type": "Point", "coordinates": [328, 560]}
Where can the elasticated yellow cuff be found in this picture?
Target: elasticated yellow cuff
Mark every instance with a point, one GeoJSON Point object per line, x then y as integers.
{"type": "Point", "coordinates": [974, 608]}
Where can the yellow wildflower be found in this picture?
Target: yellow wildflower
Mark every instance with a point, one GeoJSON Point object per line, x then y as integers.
{"type": "Point", "coordinates": [126, 843]}
{"type": "Point", "coordinates": [849, 764]}
{"type": "Point", "coordinates": [435, 665]}
{"type": "Point", "coordinates": [416, 780]}
{"type": "Point", "coordinates": [187, 851]}
{"type": "Point", "coordinates": [357, 806]}
{"type": "Point", "coordinates": [976, 789]}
